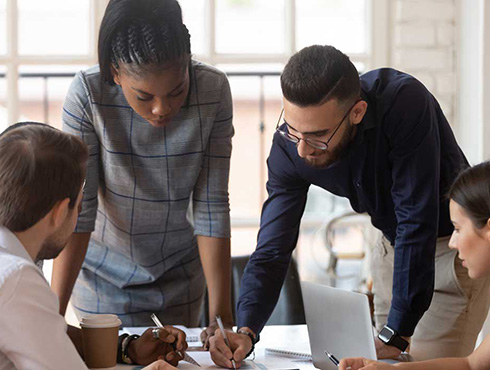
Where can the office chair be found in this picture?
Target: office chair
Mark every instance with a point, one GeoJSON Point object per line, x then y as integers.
{"type": "Point", "coordinates": [289, 309]}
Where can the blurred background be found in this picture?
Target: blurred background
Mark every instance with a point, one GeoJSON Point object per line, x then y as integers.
{"type": "Point", "coordinates": [442, 42]}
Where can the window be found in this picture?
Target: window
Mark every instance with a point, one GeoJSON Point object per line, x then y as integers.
{"type": "Point", "coordinates": [341, 23]}
{"type": "Point", "coordinates": [3, 27]}
{"type": "Point", "coordinates": [54, 27]}
{"type": "Point", "coordinates": [43, 43]}
{"type": "Point", "coordinates": [3, 98]}
{"type": "Point", "coordinates": [241, 26]}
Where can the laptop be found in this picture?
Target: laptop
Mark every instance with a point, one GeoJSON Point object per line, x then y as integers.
{"type": "Point", "coordinates": [339, 321]}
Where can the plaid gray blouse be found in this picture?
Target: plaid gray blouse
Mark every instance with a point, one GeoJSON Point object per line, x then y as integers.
{"type": "Point", "coordinates": [149, 191]}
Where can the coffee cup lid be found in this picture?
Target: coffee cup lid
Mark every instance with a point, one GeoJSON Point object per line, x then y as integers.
{"type": "Point", "coordinates": [100, 321]}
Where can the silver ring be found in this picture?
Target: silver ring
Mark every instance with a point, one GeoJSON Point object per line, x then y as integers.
{"type": "Point", "coordinates": [156, 333]}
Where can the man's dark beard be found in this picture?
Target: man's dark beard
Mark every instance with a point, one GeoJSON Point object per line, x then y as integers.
{"type": "Point", "coordinates": [338, 152]}
{"type": "Point", "coordinates": [51, 248]}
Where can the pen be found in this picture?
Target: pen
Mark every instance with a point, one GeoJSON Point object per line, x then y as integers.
{"type": "Point", "coordinates": [185, 356]}
{"type": "Point", "coordinates": [332, 358]}
{"type": "Point", "coordinates": [223, 332]}
{"type": "Point", "coordinates": [160, 325]}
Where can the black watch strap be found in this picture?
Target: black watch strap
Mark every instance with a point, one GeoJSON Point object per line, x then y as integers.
{"type": "Point", "coordinates": [391, 338]}
{"type": "Point", "coordinates": [399, 343]}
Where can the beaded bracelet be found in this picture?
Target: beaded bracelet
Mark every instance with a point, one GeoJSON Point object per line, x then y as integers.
{"type": "Point", "coordinates": [124, 348]}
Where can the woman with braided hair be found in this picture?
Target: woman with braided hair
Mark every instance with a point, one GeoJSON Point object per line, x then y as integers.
{"type": "Point", "coordinates": [155, 225]}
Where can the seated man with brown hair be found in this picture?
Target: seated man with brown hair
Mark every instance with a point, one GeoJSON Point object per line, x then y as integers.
{"type": "Point", "coordinates": [42, 172]}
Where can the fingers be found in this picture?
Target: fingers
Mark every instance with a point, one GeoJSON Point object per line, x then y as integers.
{"type": "Point", "coordinates": [166, 335]}
{"type": "Point", "coordinates": [160, 365]}
{"type": "Point", "coordinates": [220, 353]}
{"type": "Point", "coordinates": [352, 363]}
{"type": "Point", "coordinates": [181, 343]}
{"type": "Point", "coordinates": [240, 353]}
{"type": "Point", "coordinates": [205, 335]}
{"type": "Point", "coordinates": [173, 358]}
{"type": "Point", "coordinates": [366, 362]}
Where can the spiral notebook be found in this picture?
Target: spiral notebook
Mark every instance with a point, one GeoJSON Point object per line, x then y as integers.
{"type": "Point", "coordinates": [284, 352]}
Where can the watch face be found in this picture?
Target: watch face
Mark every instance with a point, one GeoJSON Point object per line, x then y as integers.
{"type": "Point", "coordinates": [386, 334]}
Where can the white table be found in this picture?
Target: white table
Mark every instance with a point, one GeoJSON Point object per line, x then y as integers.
{"type": "Point", "coordinates": [287, 337]}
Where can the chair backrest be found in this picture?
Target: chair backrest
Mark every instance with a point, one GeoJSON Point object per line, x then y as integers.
{"type": "Point", "coordinates": [289, 309]}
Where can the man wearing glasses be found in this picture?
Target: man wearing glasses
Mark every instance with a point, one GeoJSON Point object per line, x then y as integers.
{"type": "Point", "coordinates": [381, 141]}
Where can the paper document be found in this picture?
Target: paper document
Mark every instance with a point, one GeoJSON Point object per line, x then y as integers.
{"type": "Point", "coordinates": [261, 362]}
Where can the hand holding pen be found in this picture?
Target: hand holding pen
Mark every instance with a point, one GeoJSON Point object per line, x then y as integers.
{"type": "Point", "coordinates": [156, 333]}
{"type": "Point", "coordinates": [225, 338]}
{"type": "Point", "coordinates": [148, 348]}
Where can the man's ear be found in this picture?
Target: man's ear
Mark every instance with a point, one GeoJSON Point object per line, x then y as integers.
{"type": "Point", "coordinates": [487, 230]}
{"type": "Point", "coordinates": [59, 212]}
{"type": "Point", "coordinates": [358, 112]}
{"type": "Point", "coordinates": [115, 75]}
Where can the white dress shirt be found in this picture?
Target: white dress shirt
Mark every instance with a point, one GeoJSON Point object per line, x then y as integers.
{"type": "Point", "coordinates": [32, 332]}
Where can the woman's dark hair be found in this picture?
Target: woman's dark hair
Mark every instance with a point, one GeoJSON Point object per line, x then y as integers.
{"type": "Point", "coordinates": [143, 34]}
{"type": "Point", "coordinates": [471, 190]}
{"type": "Point", "coordinates": [317, 74]}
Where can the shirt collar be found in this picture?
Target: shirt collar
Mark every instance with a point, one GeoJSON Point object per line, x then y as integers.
{"type": "Point", "coordinates": [368, 121]}
{"type": "Point", "coordinates": [10, 243]}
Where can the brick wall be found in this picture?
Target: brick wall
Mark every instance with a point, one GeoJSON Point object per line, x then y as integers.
{"type": "Point", "coordinates": [424, 45]}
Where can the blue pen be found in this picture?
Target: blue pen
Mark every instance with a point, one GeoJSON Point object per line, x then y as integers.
{"type": "Point", "coordinates": [332, 358]}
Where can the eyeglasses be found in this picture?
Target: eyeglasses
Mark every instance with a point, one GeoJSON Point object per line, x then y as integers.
{"type": "Point", "coordinates": [317, 144]}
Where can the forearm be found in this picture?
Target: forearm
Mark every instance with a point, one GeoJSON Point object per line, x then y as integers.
{"type": "Point", "coordinates": [438, 364]}
{"type": "Point", "coordinates": [67, 266]}
{"type": "Point", "coordinates": [216, 261]}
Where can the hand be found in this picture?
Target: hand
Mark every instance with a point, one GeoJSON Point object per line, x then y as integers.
{"type": "Point", "coordinates": [221, 355]}
{"type": "Point", "coordinates": [160, 365]}
{"type": "Point", "coordinates": [386, 351]}
{"type": "Point", "coordinates": [207, 333]}
{"type": "Point", "coordinates": [363, 363]}
{"type": "Point", "coordinates": [147, 349]}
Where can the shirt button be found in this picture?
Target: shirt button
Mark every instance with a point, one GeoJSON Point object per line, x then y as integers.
{"type": "Point", "coordinates": [358, 184]}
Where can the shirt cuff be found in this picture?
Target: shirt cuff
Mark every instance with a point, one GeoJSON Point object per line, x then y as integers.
{"type": "Point", "coordinates": [249, 319]}
{"type": "Point", "coordinates": [403, 323]}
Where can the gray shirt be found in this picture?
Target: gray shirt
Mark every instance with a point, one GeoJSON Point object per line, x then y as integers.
{"type": "Point", "coordinates": [149, 191]}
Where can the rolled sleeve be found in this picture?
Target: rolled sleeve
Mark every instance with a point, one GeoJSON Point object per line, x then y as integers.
{"type": "Point", "coordinates": [415, 161]}
{"type": "Point", "coordinates": [77, 118]}
{"type": "Point", "coordinates": [211, 204]}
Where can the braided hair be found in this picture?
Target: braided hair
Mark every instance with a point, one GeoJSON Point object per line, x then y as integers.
{"type": "Point", "coordinates": [144, 35]}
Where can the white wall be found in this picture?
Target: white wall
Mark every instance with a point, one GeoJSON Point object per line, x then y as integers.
{"type": "Point", "coordinates": [423, 43]}
{"type": "Point", "coordinates": [474, 80]}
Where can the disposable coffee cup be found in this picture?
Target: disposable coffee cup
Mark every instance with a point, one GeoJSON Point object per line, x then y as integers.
{"type": "Point", "coordinates": [99, 336]}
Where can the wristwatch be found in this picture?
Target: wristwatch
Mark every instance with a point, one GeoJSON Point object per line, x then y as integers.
{"type": "Point", "coordinates": [391, 338]}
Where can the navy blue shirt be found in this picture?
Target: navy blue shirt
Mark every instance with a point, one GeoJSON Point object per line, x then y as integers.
{"type": "Point", "coordinates": [398, 169]}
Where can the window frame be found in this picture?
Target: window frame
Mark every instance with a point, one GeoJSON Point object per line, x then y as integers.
{"type": "Point", "coordinates": [378, 19]}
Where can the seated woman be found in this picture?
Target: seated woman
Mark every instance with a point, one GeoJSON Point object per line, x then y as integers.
{"type": "Point", "coordinates": [470, 215]}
